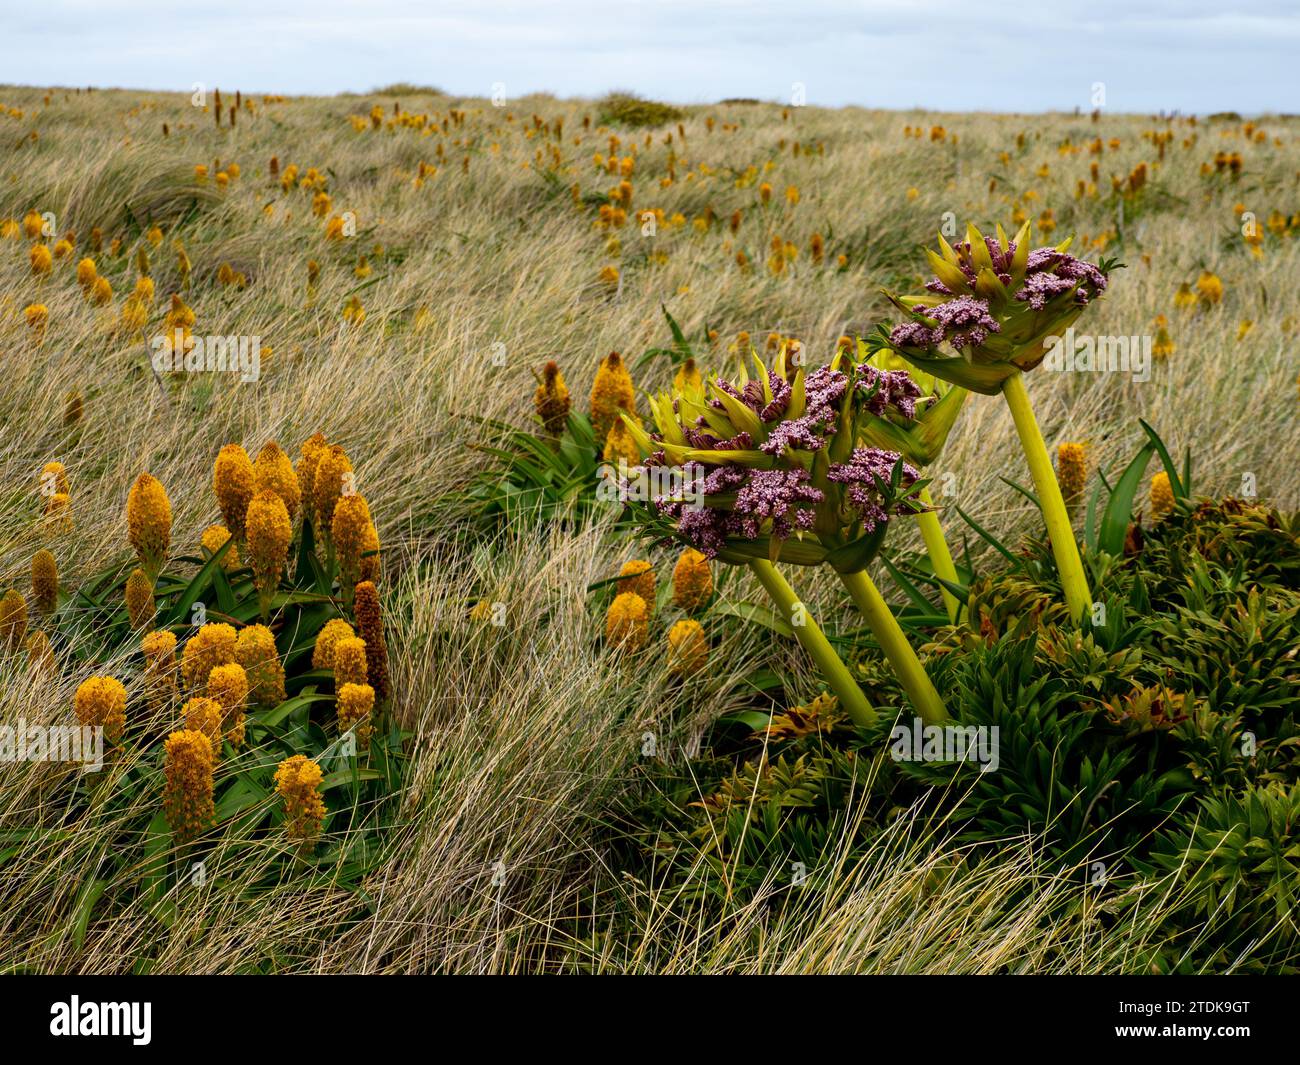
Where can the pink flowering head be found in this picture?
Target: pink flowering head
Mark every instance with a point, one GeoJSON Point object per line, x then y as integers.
{"type": "Point", "coordinates": [996, 304]}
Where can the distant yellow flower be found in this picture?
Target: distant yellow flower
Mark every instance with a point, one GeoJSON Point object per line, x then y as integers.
{"type": "Point", "coordinates": [154, 236]}
{"type": "Point", "coordinates": [322, 656]}
{"type": "Point", "coordinates": [149, 522]}
{"type": "Point", "coordinates": [692, 581]}
{"type": "Point", "coordinates": [1163, 346]}
{"type": "Point", "coordinates": [13, 619]}
{"type": "Point", "coordinates": [232, 481]}
{"type": "Point", "coordinates": [54, 479]}
{"type": "Point", "coordinates": [213, 645]}
{"type": "Point", "coordinates": [355, 704]}
{"type": "Point", "coordinates": [353, 311]}
{"type": "Point", "coordinates": [1244, 327]}
{"type": "Point", "coordinates": [204, 715]}
{"type": "Point", "coordinates": [213, 539]}
{"type": "Point", "coordinates": [33, 224]}
{"type": "Point", "coordinates": [1209, 288]}
{"type": "Point", "coordinates": [1072, 469]}
{"type": "Point", "coordinates": [134, 315]}
{"type": "Point", "coordinates": [298, 780]}
{"type": "Point", "coordinates": [10, 230]}
{"type": "Point", "coordinates": [139, 599]}
{"type": "Point", "coordinates": [627, 622]}
{"type": "Point", "coordinates": [37, 316]}
{"type": "Point", "coordinates": [228, 685]}
{"type": "Point", "coordinates": [101, 292]}
{"type": "Point", "coordinates": [370, 627]}
{"type": "Point", "coordinates": [62, 249]}
{"type": "Point", "coordinates": [100, 702]}
{"type": "Point", "coordinates": [638, 577]}
{"type": "Point", "coordinates": [187, 794]}
{"type": "Point", "coordinates": [1162, 496]}
{"type": "Point", "coordinates": [688, 380]}
{"type": "Point", "coordinates": [273, 472]}
{"type": "Point", "coordinates": [551, 400]}
{"type": "Point", "coordinates": [611, 392]}
{"type": "Point", "coordinates": [45, 582]}
{"type": "Point", "coordinates": [41, 260]}
{"type": "Point", "coordinates": [609, 276]}
{"type": "Point", "coordinates": [255, 650]}
{"type": "Point", "coordinates": [144, 290]}
{"type": "Point", "coordinates": [688, 648]}
{"type": "Point", "coordinates": [350, 661]}
{"type": "Point", "coordinates": [200, 173]}
{"type": "Point", "coordinates": [86, 273]}
{"type": "Point", "coordinates": [765, 192]}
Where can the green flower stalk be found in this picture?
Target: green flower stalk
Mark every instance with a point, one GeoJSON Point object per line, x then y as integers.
{"type": "Point", "coordinates": [773, 471]}
{"type": "Point", "coordinates": [1001, 308]}
{"type": "Point", "coordinates": [919, 440]}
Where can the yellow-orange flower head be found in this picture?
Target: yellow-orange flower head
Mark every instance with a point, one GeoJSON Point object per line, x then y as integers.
{"type": "Point", "coordinates": [45, 582]}
{"type": "Point", "coordinates": [355, 704]}
{"type": "Point", "coordinates": [370, 627]}
{"type": "Point", "coordinates": [213, 539]}
{"type": "Point", "coordinates": [41, 259]}
{"type": "Point", "coordinates": [627, 622]}
{"type": "Point", "coordinates": [688, 648]}
{"type": "Point", "coordinates": [350, 662]}
{"type": "Point", "coordinates": [551, 401]}
{"type": "Point", "coordinates": [692, 581]}
{"type": "Point", "coordinates": [306, 469]}
{"type": "Point", "coordinates": [269, 532]}
{"type": "Point", "coordinates": [139, 598]}
{"type": "Point", "coordinates": [322, 655]}
{"type": "Point", "coordinates": [187, 794]}
{"type": "Point", "coordinates": [1162, 496]}
{"type": "Point", "coordinates": [213, 645]}
{"type": "Point", "coordinates": [255, 650]}
{"type": "Point", "coordinates": [228, 685]}
{"type": "Point", "coordinates": [159, 648]}
{"type": "Point", "coordinates": [638, 577]}
{"type": "Point", "coordinates": [100, 702]}
{"type": "Point", "coordinates": [348, 528]}
{"type": "Point", "coordinates": [273, 472]}
{"type": "Point", "coordinates": [1072, 469]}
{"type": "Point", "coordinates": [13, 619]}
{"type": "Point", "coordinates": [332, 470]}
{"type": "Point", "coordinates": [149, 522]}
{"type": "Point", "coordinates": [611, 393]}
{"type": "Point", "coordinates": [205, 715]}
{"type": "Point", "coordinates": [232, 480]}
{"type": "Point", "coordinates": [298, 780]}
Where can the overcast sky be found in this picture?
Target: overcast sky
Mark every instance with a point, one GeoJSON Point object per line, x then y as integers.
{"type": "Point", "coordinates": [1149, 55]}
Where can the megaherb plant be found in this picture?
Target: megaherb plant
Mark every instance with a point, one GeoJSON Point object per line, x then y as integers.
{"type": "Point", "coordinates": [241, 691]}
{"type": "Point", "coordinates": [771, 469]}
{"type": "Point", "coordinates": [998, 305]}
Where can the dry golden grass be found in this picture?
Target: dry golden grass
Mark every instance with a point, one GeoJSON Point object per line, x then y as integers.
{"type": "Point", "coordinates": [524, 734]}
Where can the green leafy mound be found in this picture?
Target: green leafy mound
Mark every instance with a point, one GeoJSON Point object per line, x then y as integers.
{"type": "Point", "coordinates": [1161, 744]}
{"type": "Point", "coordinates": [627, 109]}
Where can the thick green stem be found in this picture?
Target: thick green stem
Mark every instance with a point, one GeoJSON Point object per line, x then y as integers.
{"type": "Point", "coordinates": [814, 642]}
{"type": "Point", "coordinates": [888, 633]}
{"type": "Point", "coordinates": [940, 556]}
{"type": "Point", "coordinates": [1066, 551]}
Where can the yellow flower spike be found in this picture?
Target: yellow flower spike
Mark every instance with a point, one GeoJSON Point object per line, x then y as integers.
{"type": "Point", "coordinates": [139, 599]}
{"type": "Point", "coordinates": [255, 650]}
{"type": "Point", "coordinates": [45, 582]}
{"type": "Point", "coordinates": [213, 539]}
{"type": "Point", "coordinates": [41, 260]}
{"type": "Point", "coordinates": [86, 273]}
{"type": "Point", "coordinates": [268, 534]}
{"type": "Point", "coordinates": [1209, 288]}
{"type": "Point", "coordinates": [688, 648]}
{"type": "Point", "coordinates": [370, 627]}
{"type": "Point", "coordinates": [232, 481]}
{"type": "Point", "coordinates": [332, 473]}
{"type": "Point", "coordinates": [40, 655]}
{"type": "Point", "coordinates": [306, 468]}
{"type": "Point", "coordinates": [100, 702]}
{"type": "Point", "coordinates": [627, 622]}
{"type": "Point", "coordinates": [144, 290]}
{"type": "Point", "coordinates": [13, 619]}
{"type": "Point", "coordinates": [1162, 496]}
{"type": "Point", "coordinates": [638, 577]}
{"type": "Point", "coordinates": [322, 655]}
{"type": "Point", "coordinates": [692, 581]}
{"type": "Point", "coordinates": [187, 793]}
{"type": "Point", "coordinates": [356, 702]}
{"type": "Point", "coordinates": [37, 316]}
{"type": "Point", "coordinates": [204, 715]}
{"type": "Point", "coordinates": [621, 444]}
{"type": "Point", "coordinates": [1072, 469]}
{"type": "Point", "coordinates": [350, 662]}
{"type": "Point", "coordinates": [551, 400]}
{"type": "Point", "coordinates": [298, 780]}
{"type": "Point", "coordinates": [213, 645]}
{"type": "Point", "coordinates": [33, 224]}
{"type": "Point", "coordinates": [348, 530]}
{"type": "Point", "coordinates": [370, 557]}
{"type": "Point", "coordinates": [101, 292]}
{"type": "Point", "coordinates": [228, 685]}
{"type": "Point", "coordinates": [611, 392]}
{"type": "Point", "coordinates": [149, 522]}
{"type": "Point", "coordinates": [159, 649]}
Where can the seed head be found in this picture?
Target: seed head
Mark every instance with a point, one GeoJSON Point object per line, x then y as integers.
{"type": "Point", "coordinates": [45, 582]}
{"type": "Point", "coordinates": [351, 519]}
{"type": "Point", "coordinates": [1162, 496]}
{"type": "Point", "coordinates": [1072, 469]}
{"type": "Point", "coordinates": [551, 400]}
{"type": "Point", "coordinates": [204, 715]}
{"type": "Point", "coordinates": [638, 577]}
{"type": "Point", "coordinates": [370, 627]}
